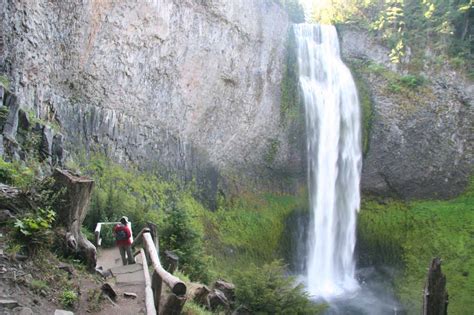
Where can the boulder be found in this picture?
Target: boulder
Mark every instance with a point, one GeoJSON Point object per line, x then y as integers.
{"type": "Point", "coordinates": [227, 288]}
{"type": "Point", "coordinates": [218, 299]}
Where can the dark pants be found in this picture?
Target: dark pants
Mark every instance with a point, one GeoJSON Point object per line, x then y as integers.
{"type": "Point", "coordinates": [126, 254]}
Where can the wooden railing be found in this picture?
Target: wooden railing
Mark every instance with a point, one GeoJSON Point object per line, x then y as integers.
{"type": "Point", "coordinates": [177, 297]}
{"type": "Point", "coordinates": [98, 227]}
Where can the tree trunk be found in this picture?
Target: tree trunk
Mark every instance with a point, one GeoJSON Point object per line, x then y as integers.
{"type": "Point", "coordinates": [72, 212]}
{"type": "Point", "coordinates": [435, 297]}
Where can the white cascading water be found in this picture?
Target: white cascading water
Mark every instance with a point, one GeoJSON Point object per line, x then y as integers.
{"type": "Point", "coordinates": [334, 160]}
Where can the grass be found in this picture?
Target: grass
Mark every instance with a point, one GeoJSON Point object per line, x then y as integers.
{"type": "Point", "coordinates": [410, 234]}
{"type": "Point", "coordinates": [249, 229]}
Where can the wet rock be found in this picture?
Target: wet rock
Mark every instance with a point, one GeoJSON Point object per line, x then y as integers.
{"type": "Point", "coordinates": [58, 152]}
{"type": "Point", "coordinates": [11, 124]}
{"type": "Point", "coordinates": [2, 95]}
{"type": "Point", "coordinates": [46, 142]}
{"type": "Point", "coordinates": [419, 146]}
{"type": "Point", "coordinates": [23, 120]}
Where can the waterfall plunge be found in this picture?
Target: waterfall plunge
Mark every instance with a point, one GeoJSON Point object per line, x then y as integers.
{"type": "Point", "coordinates": [334, 160]}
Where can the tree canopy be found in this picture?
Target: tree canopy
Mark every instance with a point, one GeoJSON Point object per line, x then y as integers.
{"type": "Point", "coordinates": [440, 25]}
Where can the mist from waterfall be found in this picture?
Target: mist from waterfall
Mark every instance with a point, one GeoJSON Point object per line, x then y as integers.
{"type": "Point", "coordinates": [334, 160]}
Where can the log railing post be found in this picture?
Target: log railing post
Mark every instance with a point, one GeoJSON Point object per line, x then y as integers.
{"type": "Point", "coordinates": [171, 261]}
{"type": "Point", "coordinates": [177, 297]}
{"type": "Point", "coordinates": [151, 308]}
{"type": "Point", "coordinates": [156, 285]}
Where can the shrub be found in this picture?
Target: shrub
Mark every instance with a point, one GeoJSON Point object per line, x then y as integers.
{"type": "Point", "coordinates": [34, 229]}
{"type": "Point", "coordinates": [68, 298]}
{"type": "Point", "coordinates": [411, 81]}
{"type": "Point", "coordinates": [267, 290]}
{"type": "Point", "coordinates": [38, 285]}
{"type": "Point", "coordinates": [179, 235]}
{"type": "Point", "coordinates": [15, 174]}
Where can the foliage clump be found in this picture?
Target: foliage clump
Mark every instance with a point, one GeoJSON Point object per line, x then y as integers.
{"type": "Point", "coordinates": [178, 235]}
{"type": "Point", "coordinates": [35, 229]}
{"type": "Point", "coordinates": [437, 25]}
{"type": "Point", "coordinates": [267, 290]}
{"type": "Point", "coordinates": [68, 298]}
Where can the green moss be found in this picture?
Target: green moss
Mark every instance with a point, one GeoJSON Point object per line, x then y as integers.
{"type": "Point", "coordinates": [410, 234]}
{"type": "Point", "coordinates": [4, 82]}
{"type": "Point", "coordinates": [290, 98]}
{"type": "Point", "coordinates": [248, 229]}
{"type": "Point", "coordinates": [272, 150]}
{"type": "Point", "coordinates": [366, 105]}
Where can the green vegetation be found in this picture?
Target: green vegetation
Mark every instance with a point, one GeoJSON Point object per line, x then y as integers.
{"type": "Point", "coordinates": [39, 285]}
{"type": "Point", "coordinates": [409, 91]}
{"type": "Point", "coordinates": [16, 174]}
{"type": "Point", "coordinates": [410, 234]}
{"type": "Point", "coordinates": [180, 235]}
{"type": "Point", "coordinates": [366, 105]}
{"type": "Point", "coordinates": [267, 290]}
{"type": "Point", "coordinates": [290, 98]}
{"type": "Point", "coordinates": [294, 9]}
{"type": "Point", "coordinates": [191, 308]}
{"type": "Point", "coordinates": [249, 229]}
{"type": "Point", "coordinates": [438, 25]}
{"type": "Point", "coordinates": [4, 82]}
{"type": "Point", "coordinates": [68, 298]}
{"type": "Point", "coordinates": [35, 229]}
{"type": "Point", "coordinates": [273, 146]}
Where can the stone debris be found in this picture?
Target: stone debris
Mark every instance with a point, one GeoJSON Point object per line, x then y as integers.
{"type": "Point", "coordinates": [130, 295]}
{"type": "Point", "coordinates": [7, 303]}
{"type": "Point", "coordinates": [22, 311]}
{"type": "Point", "coordinates": [63, 312]}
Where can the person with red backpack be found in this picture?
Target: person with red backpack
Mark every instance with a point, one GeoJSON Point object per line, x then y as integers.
{"type": "Point", "coordinates": [122, 239]}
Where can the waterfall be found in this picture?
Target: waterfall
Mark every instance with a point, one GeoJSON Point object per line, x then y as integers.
{"type": "Point", "coordinates": [334, 160]}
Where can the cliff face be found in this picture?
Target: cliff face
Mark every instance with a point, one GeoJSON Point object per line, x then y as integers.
{"type": "Point", "coordinates": [420, 143]}
{"type": "Point", "coordinates": [186, 85]}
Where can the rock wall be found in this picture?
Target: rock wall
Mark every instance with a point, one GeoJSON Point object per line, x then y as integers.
{"type": "Point", "coordinates": [186, 86]}
{"type": "Point", "coordinates": [420, 145]}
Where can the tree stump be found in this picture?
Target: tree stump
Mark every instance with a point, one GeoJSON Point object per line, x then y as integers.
{"type": "Point", "coordinates": [72, 211]}
{"type": "Point", "coordinates": [435, 297]}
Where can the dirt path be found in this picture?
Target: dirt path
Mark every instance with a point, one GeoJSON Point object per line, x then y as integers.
{"type": "Point", "coordinates": [128, 278]}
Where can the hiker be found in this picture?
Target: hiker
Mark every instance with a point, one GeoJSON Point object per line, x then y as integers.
{"type": "Point", "coordinates": [122, 239]}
